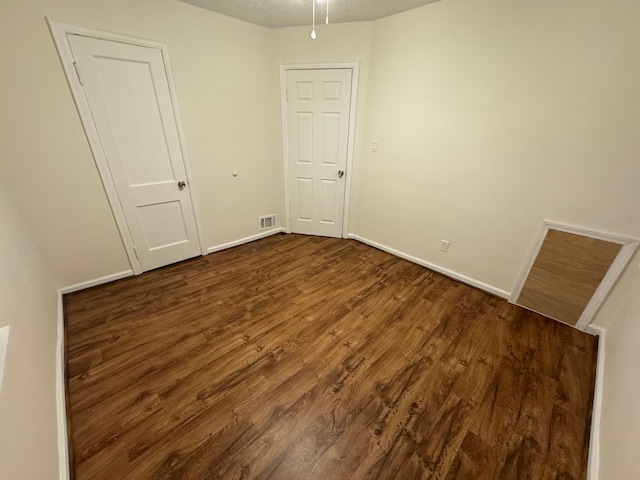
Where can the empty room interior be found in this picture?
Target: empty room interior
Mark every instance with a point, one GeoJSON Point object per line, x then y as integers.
{"type": "Point", "coordinates": [324, 239]}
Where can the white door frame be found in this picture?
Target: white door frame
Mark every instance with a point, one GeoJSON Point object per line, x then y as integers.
{"type": "Point", "coordinates": [355, 69]}
{"type": "Point", "coordinates": [59, 31]}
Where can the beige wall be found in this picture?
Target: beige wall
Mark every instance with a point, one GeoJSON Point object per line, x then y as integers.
{"type": "Point", "coordinates": [28, 303]}
{"type": "Point", "coordinates": [620, 425]}
{"type": "Point", "coordinates": [338, 43]}
{"type": "Point", "coordinates": [493, 116]}
{"type": "Point", "coordinates": [227, 91]}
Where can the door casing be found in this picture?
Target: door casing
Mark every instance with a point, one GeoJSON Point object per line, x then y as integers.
{"type": "Point", "coordinates": [354, 66]}
{"type": "Point", "coordinates": [59, 31]}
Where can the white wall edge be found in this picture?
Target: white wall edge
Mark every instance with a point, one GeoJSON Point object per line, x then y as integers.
{"type": "Point", "coordinates": [593, 466]}
{"type": "Point", "coordinates": [444, 271]}
{"type": "Point", "coordinates": [244, 240]}
{"type": "Point", "coordinates": [61, 404]}
{"type": "Point", "coordinates": [96, 281]}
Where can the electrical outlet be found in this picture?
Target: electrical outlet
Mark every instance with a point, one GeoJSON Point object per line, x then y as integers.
{"type": "Point", "coordinates": [444, 246]}
{"type": "Point", "coordinates": [374, 147]}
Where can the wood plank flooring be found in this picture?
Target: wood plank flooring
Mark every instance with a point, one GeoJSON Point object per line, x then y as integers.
{"type": "Point", "coordinates": [299, 357]}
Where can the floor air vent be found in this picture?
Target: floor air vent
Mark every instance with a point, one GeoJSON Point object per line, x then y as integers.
{"type": "Point", "coordinates": [268, 222]}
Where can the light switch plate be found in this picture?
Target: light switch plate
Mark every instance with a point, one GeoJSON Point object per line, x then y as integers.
{"type": "Point", "coordinates": [4, 341]}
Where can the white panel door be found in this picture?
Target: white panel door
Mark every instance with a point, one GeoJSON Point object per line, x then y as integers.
{"type": "Point", "coordinates": [128, 93]}
{"type": "Point", "coordinates": [318, 103]}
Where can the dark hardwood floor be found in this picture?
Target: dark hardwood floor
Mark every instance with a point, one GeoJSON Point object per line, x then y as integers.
{"type": "Point", "coordinates": [299, 357]}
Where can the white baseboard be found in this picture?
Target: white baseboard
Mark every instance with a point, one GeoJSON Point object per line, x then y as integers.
{"type": "Point", "coordinates": [96, 281]}
{"type": "Point", "coordinates": [242, 241]}
{"type": "Point", "coordinates": [445, 271]}
{"type": "Point", "coordinates": [129, 273]}
{"type": "Point", "coordinates": [593, 468]}
{"type": "Point", "coordinates": [61, 404]}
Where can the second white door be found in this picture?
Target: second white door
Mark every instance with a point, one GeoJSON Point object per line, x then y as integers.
{"type": "Point", "coordinates": [318, 110]}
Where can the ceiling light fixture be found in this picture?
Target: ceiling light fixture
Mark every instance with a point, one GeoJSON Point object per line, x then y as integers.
{"type": "Point", "coordinates": [313, 18]}
{"type": "Point", "coordinates": [313, 21]}
{"type": "Point", "coordinates": [326, 22]}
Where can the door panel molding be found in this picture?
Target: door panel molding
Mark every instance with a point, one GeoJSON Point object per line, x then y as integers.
{"type": "Point", "coordinates": [59, 31]}
{"type": "Point", "coordinates": [355, 71]}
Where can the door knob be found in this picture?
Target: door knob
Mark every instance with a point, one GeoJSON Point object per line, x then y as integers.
{"type": "Point", "coordinates": [181, 184]}
{"type": "Point", "coordinates": [340, 173]}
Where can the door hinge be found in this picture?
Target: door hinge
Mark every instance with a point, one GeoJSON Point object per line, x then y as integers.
{"type": "Point", "coordinates": [135, 250]}
{"type": "Point", "coordinates": [286, 95]}
{"type": "Point", "coordinates": [75, 65]}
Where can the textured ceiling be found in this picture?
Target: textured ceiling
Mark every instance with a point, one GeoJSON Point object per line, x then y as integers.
{"type": "Point", "coordinates": [289, 13]}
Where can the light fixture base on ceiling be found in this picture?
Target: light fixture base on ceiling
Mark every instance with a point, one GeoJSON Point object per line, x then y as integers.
{"type": "Point", "coordinates": [313, 17]}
